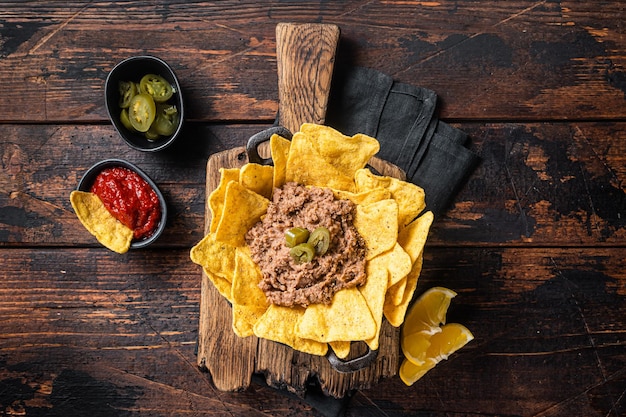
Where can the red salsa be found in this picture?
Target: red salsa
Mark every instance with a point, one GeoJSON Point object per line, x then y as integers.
{"type": "Point", "coordinates": [130, 199]}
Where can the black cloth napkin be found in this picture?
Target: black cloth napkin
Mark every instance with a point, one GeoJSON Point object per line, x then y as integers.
{"type": "Point", "coordinates": [402, 117]}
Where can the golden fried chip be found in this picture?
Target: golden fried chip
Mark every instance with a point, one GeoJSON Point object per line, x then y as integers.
{"type": "Point", "coordinates": [365, 197]}
{"type": "Point", "coordinates": [244, 318]}
{"type": "Point", "coordinates": [310, 346]}
{"type": "Point", "coordinates": [215, 256]}
{"type": "Point", "coordinates": [377, 223]}
{"type": "Point", "coordinates": [413, 237]}
{"type": "Point", "coordinates": [257, 178]}
{"type": "Point", "coordinates": [341, 349]}
{"type": "Point", "coordinates": [246, 280]}
{"type": "Point", "coordinates": [306, 166]}
{"type": "Point", "coordinates": [395, 313]}
{"type": "Point", "coordinates": [410, 198]}
{"type": "Point", "coordinates": [373, 292]}
{"type": "Point", "coordinates": [330, 323]}
{"type": "Point", "coordinates": [397, 262]}
{"type": "Point", "coordinates": [279, 149]}
{"type": "Point", "coordinates": [244, 208]}
{"type": "Point", "coordinates": [366, 180]}
{"type": "Point", "coordinates": [216, 198]}
{"type": "Point", "coordinates": [279, 324]}
{"type": "Point", "coordinates": [92, 213]}
{"type": "Point", "coordinates": [347, 153]}
{"type": "Point", "coordinates": [395, 293]}
{"type": "Point", "coordinates": [249, 301]}
{"type": "Point", "coordinates": [221, 284]}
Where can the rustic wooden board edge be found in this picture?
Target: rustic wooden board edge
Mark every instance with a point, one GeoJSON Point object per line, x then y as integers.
{"type": "Point", "coordinates": [216, 340]}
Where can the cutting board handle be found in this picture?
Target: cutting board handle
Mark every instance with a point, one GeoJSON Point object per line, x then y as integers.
{"type": "Point", "coordinates": [305, 55]}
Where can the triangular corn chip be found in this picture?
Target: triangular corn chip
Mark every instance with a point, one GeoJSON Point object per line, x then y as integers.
{"type": "Point", "coordinates": [92, 213]}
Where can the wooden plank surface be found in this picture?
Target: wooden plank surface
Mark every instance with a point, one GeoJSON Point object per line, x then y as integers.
{"type": "Point", "coordinates": [534, 243]}
{"type": "Point", "coordinates": [486, 59]}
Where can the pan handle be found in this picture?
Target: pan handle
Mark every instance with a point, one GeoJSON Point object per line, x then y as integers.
{"type": "Point", "coordinates": [252, 147]}
{"type": "Point", "coordinates": [351, 365]}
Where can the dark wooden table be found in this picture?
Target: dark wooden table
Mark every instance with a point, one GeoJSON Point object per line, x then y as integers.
{"type": "Point", "coordinates": [534, 243]}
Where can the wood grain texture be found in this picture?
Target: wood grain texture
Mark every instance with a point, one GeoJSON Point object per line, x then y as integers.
{"type": "Point", "coordinates": [526, 60]}
{"type": "Point", "coordinates": [305, 57]}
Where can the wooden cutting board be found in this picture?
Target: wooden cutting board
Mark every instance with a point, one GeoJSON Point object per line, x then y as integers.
{"type": "Point", "coordinates": [231, 360]}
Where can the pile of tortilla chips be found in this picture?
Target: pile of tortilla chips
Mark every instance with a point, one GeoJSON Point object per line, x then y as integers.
{"type": "Point", "coordinates": [388, 216]}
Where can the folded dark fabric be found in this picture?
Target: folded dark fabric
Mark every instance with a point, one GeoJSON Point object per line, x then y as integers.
{"type": "Point", "coordinates": [443, 169]}
{"type": "Point", "coordinates": [402, 117]}
{"type": "Point", "coordinates": [406, 116]}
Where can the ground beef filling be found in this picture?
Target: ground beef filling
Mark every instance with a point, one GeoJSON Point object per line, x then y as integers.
{"type": "Point", "coordinates": [288, 283]}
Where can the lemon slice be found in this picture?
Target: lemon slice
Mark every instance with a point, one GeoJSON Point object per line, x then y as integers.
{"type": "Point", "coordinates": [426, 340]}
{"type": "Point", "coordinates": [415, 347]}
{"type": "Point", "coordinates": [453, 336]}
{"type": "Point", "coordinates": [410, 372]}
{"type": "Point", "coordinates": [428, 312]}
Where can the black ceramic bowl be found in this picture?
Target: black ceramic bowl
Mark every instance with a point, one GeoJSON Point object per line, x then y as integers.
{"type": "Point", "coordinates": [89, 177]}
{"type": "Point", "coordinates": [132, 69]}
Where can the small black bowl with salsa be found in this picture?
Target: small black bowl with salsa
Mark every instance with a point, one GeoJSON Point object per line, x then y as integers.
{"type": "Point", "coordinates": [146, 87]}
{"type": "Point", "coordinates": [130, 196]}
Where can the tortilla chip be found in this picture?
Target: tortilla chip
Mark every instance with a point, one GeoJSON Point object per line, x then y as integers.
{"type": "Point", "coordinates": [366, 180]}
{"type": "Point", "coordinates": [341, 349]}
{"type": "Point", "coordinates": [221, 284]}
{"type": "Point", "coordinates": [373, 292]}
{"type": "Point", "coordinates": [279, 324]}
{"type": "Point", "coordinates": [216, 198]}
{"type": "Point", "coordinates": [245, 208]}
{"type": "Point", "coordinates": [410, 198]}
{"type": "Point", "coordinates": [246, 280]}
{"type": "Point", "coordinates": [330, 323]}
{"type": "Point", "coordinates": [395, 293]}
{"type": "Point", "coordinates": [279, 148]}
{"type": "Point", "coordinates": [306, 166]}
{"type": "Point", "coordinates": [377, 223]}
{"type": "Point", "coordinates": [94, 216]}
{"type": "Point", "coordinates": [249, 301]}
{"type": "Point", "coordinates": [395, 313]}
{"type": "Point", "coordinates": [244, 318]}
{"type": "Point", "coordinates": [397, 262]}
{"type": "Point", "coordinates": [215, 256]}
{"type": "Point", "coordinates": [365, 197]}
{"type": "Point", "coordinates": [310, 346]}
{"type": "Point", "coordinates": [413, 237]}
{"type": "Point", "coordinates": [347, 153]}
{"type": "Point", "coordinates": [257, 178]}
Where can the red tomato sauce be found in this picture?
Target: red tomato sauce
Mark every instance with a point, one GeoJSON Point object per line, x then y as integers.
{"type": "Point", "coordinates": [130, 199]}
